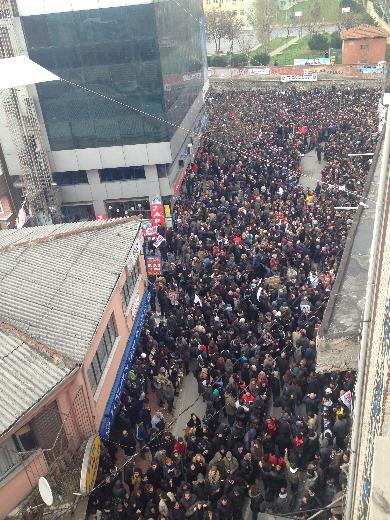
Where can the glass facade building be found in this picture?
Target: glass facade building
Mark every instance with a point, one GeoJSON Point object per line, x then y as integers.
{"type": "Point", "coordinates": [145, 56]}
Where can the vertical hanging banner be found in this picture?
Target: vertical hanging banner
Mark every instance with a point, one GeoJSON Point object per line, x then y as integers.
{"type": "Point", "coordinates": [157, 212]}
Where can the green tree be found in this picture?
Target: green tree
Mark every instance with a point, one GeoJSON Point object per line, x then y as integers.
{"type": "Point", "coordinates": [318, 42]}
{"type": "Point", "coordinates": [262, 58]}
{"type": "Point", "coordinates": [335, 40]}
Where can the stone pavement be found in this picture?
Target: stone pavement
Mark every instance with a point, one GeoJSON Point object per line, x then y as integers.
{"type": "Point", "coordinates": [311, 170]}
{"type": "Point", "coordinates": [188, 394]}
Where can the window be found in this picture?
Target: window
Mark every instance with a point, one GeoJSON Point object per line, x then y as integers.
{"type": "Point", "coordinates": [129, 173]}
{"type": "Point", "coordinates": [365, 47]}
{"type": "Point", "coordinates": [108, 49]}
{"type": "Point", "coordinates": [162, 170]}
{"type": "Point", "coordinates": [70, 178]}
{"type": "Point", "coordinates": [128, 288]}
{"type": "Point", "coordinates": [10, 451]}
{"type": "Point", "coordinates": [99, 361]}
{"type": "Point", "coordinates": [127, 208]}
{"type": "Point", "coordinates": [25, 439]}
{"type": "Point", "coordinates": [1, 207]}
{"type": "Point", "coordinates": [77, 213]}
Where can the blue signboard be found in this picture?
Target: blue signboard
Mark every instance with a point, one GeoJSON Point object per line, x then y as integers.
{"type": "Point", "coordinates": [124, 368]}
{"type": "Point", "coordinates": [312, 61]}
{"type": "Point", "coordinates": [370, 70]}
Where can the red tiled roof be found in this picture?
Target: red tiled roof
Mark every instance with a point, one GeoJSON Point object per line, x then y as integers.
{"type": "Point", "coordinates": [364, 31]}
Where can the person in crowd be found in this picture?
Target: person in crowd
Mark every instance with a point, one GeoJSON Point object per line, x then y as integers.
{"type": "Point", "coordinates": [251, 257]}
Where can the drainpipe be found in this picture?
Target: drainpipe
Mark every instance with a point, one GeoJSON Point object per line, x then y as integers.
{"type": "Point", "coordinates": [364, 344]}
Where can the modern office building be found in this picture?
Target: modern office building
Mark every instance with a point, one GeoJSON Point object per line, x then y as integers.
{"type": "Point", "coordinates": [111, 157]}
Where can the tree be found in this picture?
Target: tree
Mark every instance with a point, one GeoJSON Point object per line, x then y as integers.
{"type": "Point", "coordinates": [245, 42]}
{"type": "Point", "coordinates": [318, 42]}
{"type": "Point", "coordinates": [214, 28]}
{"type": "Point", "coordinates": [260, 59]}
{"type": "Point", "coordinates": [263, 17]}
{"type": "Point", "coordinates": [223, 24]}
{"type": "Point", "coordinates": [232, 27]}
{"type": "Point", "coordinates": [312, 16]}
{"type": "Point", "coordinates": [335, 40]}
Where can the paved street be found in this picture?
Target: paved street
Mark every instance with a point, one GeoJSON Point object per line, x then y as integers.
{"type": "Point", "coordinates": [311, 170]}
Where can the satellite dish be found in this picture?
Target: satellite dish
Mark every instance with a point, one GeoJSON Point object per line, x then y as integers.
{"type": "Point", "coordinates": [45, 491]}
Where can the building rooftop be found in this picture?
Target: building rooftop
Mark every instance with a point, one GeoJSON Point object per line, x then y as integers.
{"type": "Point", "coordinates": [27, 374]}
{"type": "Point", "coordinates": [363, 31]}
{"type": "Point", "coordinates": [56, 281]}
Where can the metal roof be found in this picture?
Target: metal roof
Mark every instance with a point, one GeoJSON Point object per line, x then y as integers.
{"type": "Point", "coordinates": [26, 376]}
{"type": "Point", "coordinates": [56, 281]}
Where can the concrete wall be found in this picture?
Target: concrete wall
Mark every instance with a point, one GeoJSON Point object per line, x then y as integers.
{"type": "Point", "coordinates": [353, 52]}
{"type": "Point", "coordinates": [228, 85]}
{"type": "Point", "coordinates": [21, 482]}
{"type": "Point", "coordinates": [376, 377]}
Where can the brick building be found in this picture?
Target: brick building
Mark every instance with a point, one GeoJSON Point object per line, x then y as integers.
{"type": "Point", "coordinates": [364, 44]}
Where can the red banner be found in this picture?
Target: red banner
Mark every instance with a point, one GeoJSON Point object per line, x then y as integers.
{"type": "Point", "coordinates": [179, 181]}
{"type": "Point", "coordinates": [153, 265]}
{"type": "Point", "coordinates": [157, 214]}
{"type": "Point", "coordinates": [102, 216]}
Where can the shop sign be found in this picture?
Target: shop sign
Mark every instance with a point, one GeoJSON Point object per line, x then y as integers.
{"type": "Point", "coordinates": [90, 465]}
{"type": "Point", "coordinates": [307, 77]}
{"type": "Point", "coordinates": [167, 210]}
{"type": "Point", "coordinates": [101, 216]}
{"type": "Point", "coordinates": [153, 265]}
{"type": "Point", "coordinates": [157, 212]}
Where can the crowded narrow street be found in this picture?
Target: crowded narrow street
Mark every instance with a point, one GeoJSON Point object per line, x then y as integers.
{"type": "Point", "coordinates": [223, 411]}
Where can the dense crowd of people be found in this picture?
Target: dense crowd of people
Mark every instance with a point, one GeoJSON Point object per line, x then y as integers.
{"type": "Point", "coordinates": [248, 268]}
